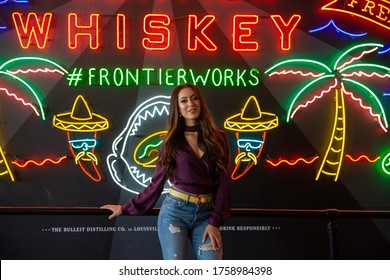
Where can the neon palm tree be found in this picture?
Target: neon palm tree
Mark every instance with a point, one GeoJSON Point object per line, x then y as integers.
{"type": "Point", "coordinates": [7, 70]}
{"type": "Point", "coordinates": [341, 77]}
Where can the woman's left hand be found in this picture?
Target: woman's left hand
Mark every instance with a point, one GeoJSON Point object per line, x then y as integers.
{"type": "Point", "coordinates": [215, 237]}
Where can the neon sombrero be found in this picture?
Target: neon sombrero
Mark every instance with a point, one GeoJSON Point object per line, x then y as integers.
{"type": "Point", "coordinates": [80, 119]}
{"type": "Point", "coordinates": [251, 119]}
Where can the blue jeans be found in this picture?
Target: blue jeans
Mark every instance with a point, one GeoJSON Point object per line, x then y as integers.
{"type": "Point", "coordinates": [180, 221]}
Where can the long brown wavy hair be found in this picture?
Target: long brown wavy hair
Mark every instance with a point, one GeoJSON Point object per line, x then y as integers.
{"type": "Point", "coordinates": [210, 141]}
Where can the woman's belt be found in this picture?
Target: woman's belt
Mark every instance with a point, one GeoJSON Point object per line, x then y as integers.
{"type": "Point", "coordinates": [194, 198]}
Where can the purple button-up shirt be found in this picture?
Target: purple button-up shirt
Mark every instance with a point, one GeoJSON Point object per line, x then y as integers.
{"type": "Point", "coordinates": [192, 174]}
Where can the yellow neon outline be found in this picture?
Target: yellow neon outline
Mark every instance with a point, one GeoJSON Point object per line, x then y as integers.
{"type": "Point", "coordinates": [329, 173]}
{"type": "Point", "coordinates": [86, 126]}
{"type": "Point", "coordinates": [152, 162]}
{"type": "Point", "coordinates": [42, 26]}
{"type": "Point", "coordinates": [6, 166]}
{"type": "Point", "coordinates": [250, 124]}
{"type": "Point", "coordinates": [330, 147]}
{"type": "Point", "coordinates": [258, 126]}
{"type": "Point", "coordinates": [327, 8]}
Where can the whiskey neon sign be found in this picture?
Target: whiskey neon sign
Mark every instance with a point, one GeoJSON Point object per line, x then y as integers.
{"type": "Point", "coordinates": [375, 11]}
{"type": "Point", "coordinates": [33, 30]}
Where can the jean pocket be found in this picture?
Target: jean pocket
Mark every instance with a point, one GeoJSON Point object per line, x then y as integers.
{"type": "Point", "coordinates": [174, 201]}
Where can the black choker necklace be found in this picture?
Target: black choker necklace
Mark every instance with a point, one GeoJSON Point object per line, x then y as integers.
{"type": "Point", "coordinates": [193, 128]}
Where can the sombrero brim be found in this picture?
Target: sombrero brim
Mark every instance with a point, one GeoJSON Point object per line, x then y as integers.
{"type": "Point", "coordinates": [66, 122]}
{"type": "Point", "coordinates": [267, 121]}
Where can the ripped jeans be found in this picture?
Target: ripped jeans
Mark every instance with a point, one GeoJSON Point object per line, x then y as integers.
{"type": "Point", "coordinates": [180, 221]}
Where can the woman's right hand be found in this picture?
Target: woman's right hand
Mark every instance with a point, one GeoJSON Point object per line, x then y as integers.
{"type": "Point", "coordinates": [116, 210]}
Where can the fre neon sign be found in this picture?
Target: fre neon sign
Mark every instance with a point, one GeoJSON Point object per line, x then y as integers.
{"type": "Point", "coordinates": [375, 11]}
{"type": "Point", "coordinates": [33, 30]}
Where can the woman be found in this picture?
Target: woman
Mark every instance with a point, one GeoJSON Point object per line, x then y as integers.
{"type": "Point", "coordinates": [195, 158]}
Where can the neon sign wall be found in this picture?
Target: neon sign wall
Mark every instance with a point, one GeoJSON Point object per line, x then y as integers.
{"type": "Point", "coordinates": [301, 89]}
{"type": "Point", "coordinates": [132, 158]}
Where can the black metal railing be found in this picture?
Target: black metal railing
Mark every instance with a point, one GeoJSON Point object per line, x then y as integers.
{"type": "Point", "coordinates": [330, 214]}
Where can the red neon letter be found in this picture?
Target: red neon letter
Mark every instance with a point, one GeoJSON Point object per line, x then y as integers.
{"type": "Point", "coordinates": [75, 30]}
{"type": "Point", "coordinates": [32, 27]}
{"type": "Point", "coordinates": [120, 31]}
{"type": "Point", "coordinates": [242, 30]}
{"type": "Point", "coordinates": [286, 29]}
{"type": "Point", "coordinates": [156, 27]}
{"type": "Point", "coordinates": [196, 33]}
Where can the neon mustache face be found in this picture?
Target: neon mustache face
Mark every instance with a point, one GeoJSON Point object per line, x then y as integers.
{"type": "Point", "coordinates": [86, 156]}
{"type": "Point", "coordinates": [250, 123]}
{"type": "Point", "coordinates": [249, 150]}
{"type": "Point", "coordinates": [244, 162]}
{"type": "Point", "coordinates": [246, 157]}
